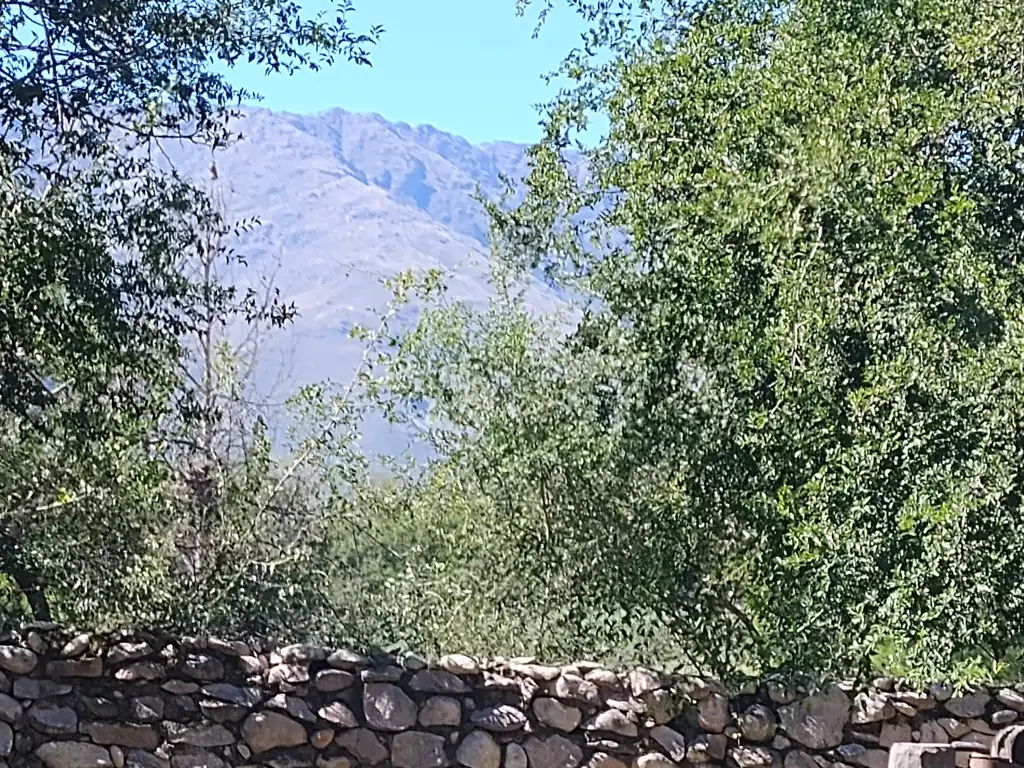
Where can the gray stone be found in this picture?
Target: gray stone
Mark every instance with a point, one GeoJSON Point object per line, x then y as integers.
{"type": "Point", "coordinates": [137, 758]}
{"type": "Point", "coordinates": [364, 745]}
{"type": "Point", "coordinates": [555, 714]}
{"type": "Point", "coordinates": [331, 680]}
{"type": "Point", "coordinates": [933, 733]}
{"type": "Point", "coordinates": [968, 706]}
{"type": "Point", "coordinates": [653, 760]}
{"type": "Point", "coordinates": [10, 709]}
{"type": "Point", "coordinates": [73, 754]}
{"type": "Point", "coordinates": [479, 750]}
{"type": "Point", "coordinates": [6, 740]}
{"type": "Point", "coordinates": [940, 691]}
{"type": "Point", "coordinates": [203, 667]}
{"type": "Point", "coordinates": [758, 724]}
{"type": "Point", "coordinates": [100, 707]}
{"type": "Point", "coordinates": [17, 661]}
{"type": "Point", "coordinates": [415, 749]}
{"type": "Point", "coordinates": [196, 758]}
{"type": "Point", "coordinates": [91, 667]}
{"type": "Point", "coordinates": [916, 699]}
{"type": "Point", "coordinates": [674, 744]}
{"type": "Point", "coordinates": [243, 697]}
{"type": "Point", "coordinates": [139, 671]}
{"type": "Point", "coordinates": [385, 674]}
{"type": "Point", "coordinates": [817, 722]}
{"type": "Point", "coordinates": [264, 731]}
{"type": "Point", "coordinates": [575, 688]}
{"type": "Point", "coordinates": [146, 709]}
{"type": "Point", "coordinates": [129, 651]}
{"type": "Point", "coordinates": [387, 707]}
{"type": "Point", "coordinates": [333, 762]}
{"type": "Point", "coordinates": [604, 760]}
{"type": "Point", "coordinates": [76, 646]}
{"type": "Point", "coordinates": [661, 706]}
{"type": "Point", "coordinates": [954, 727]}
{"type": "Point", "coordinates": [1004, 717]}
{"type": "Point", "coordinates": [552, 752]}
{"type": "Point", "coordinates": [340, 715]}
{"type": "Point", "coordinates": [206, 736]}
{"type": "Point", "coordinates": [515, 756]}
{"type": "Point", "coordinates": [501, 719]}
{"type": "Point", "coordinates": [437, 681]}
{"type": "Point", "coordinates": [754, 757]}
{"type": "Point", "coordinates": [798, 759]}
{"type": "Point", "coordinates": [301, 654]}
{"type": "Point", "coordinates": [857, 754]}
{"type": "Point", "coordinates": [441, 710]}
{"type": "Point", "coordinates": [871, 708]}
{"type": "Point", "coordinates": [713, 713]}
{"type": "Point", "coordinates": [894, 733]}
{"type": "Point", "coordinates": [1011, 698]}
{"type": "Point", "coordinates": [780, 693]}
{"type": "Point", "coordinates": [350, 660]}
{"type": "Point", "coordinates": [222, 712]}
{"type": "Point", "coordinates": [708, 747]}
{"type": "Point", "coordinates": [459, 664]}
{"type": "Point", "coordinates": [124, 735]}
{"type": "Point", "coordinates": [293, 674]}
{"type": "Point", "coordinates": [30, 688]}
{"type": "Point", "coordinates": [52, 720]}
{"type": "Point", "coordinates": [299, 709]}
{"type": "Point", "coordinates": [643, 681]}
{"type": "Point", "coordinates": [541, 672]}
{"type": "Point", "coordinates": [180, 687]}
{"type": "Point", "coordinates": [603, 678]}
{"type": "Point", "coordinates": [613, 721]}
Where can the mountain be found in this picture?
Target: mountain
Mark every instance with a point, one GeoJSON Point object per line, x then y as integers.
{"type": "Point", "coordinates": [346, 199]}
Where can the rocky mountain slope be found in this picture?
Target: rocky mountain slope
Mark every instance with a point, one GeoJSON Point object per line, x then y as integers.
{"type": "Point", "coordinates": [345, 200]}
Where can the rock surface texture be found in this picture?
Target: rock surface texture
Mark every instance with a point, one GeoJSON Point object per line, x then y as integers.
{"type": "Point", "coordinates": [75, 701]}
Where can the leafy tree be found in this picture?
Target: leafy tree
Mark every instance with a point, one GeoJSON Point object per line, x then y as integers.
{"type": "Point", "coordinates": [95, 302]}
{"type": "Point", "coordinates": [787, 429]}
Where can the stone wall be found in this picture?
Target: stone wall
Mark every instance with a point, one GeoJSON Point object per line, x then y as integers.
{"type": "Point", "coordinates": [150, 702]}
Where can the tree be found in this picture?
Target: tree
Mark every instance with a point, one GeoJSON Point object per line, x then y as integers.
{"type": "Point", "coordinates": [787, 430]}
{"type": "Point", "coordinates": [94, 303]}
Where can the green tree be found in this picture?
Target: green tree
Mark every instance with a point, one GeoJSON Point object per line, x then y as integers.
{"type": "Point", "coordinates": [95, 302]}
{"type": "Point", "coordinates": [786, 433]}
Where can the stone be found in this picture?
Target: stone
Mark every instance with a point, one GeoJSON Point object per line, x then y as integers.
{"type": "Point", "coordinates": [653, 760]}
{"type": "Point", "coordinates": [203, 667]}
{"type": "Point", "coordinates": [264, 731]}
{"type": "Point", "coordinates": [904, 709]}
{"type": "Point", "coordinates": [196, 758]}
{"type": "Point", "coordinates": [954, 727]}
{"type": "Point", "coordinates": [933, 733]}
{"type": "Point", "coordinates": [91, 667]}
{"type": "Point", "coordinates": [331, 680]}
{"type": "Point", "coordinates": [541, 672]}
{"type": "Point", "coordinates": [972, 705]}
{"type": "Point", "coordinates": [555, 714]}
{"type": "Point", "coordinates": [228, 647]}
{"type": "Point", "coordinates": [603, 678]}
{"type": "Point", "coordinates": [387, 707]}
{"type": "Point", "coordinates": [604, 760]}
{"type": "Point", "coordinates": [441, 710]}
{"type": "Point", "coordinates": [206, 736]}
{"type": "Point", "coordinates": [415, 749]}
{"type": "Point", "coordinates": [180, 687]}
{"type": "Point", "coordinates": [798, 759]}
{"type": "Point", "coordinates": [501, 719]}
{"type": "Point", "coordinates": [459, 664]}
{"type": "Point", "coordinates": [299, 709]}
{"type": "Point", "coordinates": [817, 722]}
{"type": "Point", "coordinates": [17, 661]}
{"type": "Point", "coordinates": [386, 674]}
{"type": "Point", "coordinates": [117, 756]}
{"type": "Point", "coordinates": [857, 754]}
{"type": "Point", "coordinates": [100, 707]}
{"type": "Point", "coordinates": [136, 758]}
{"type": "Point", "coordinates": [1011, 698]}
{"type": "Point", "coordinates": [146, 709]}
{"type": "Point", "coordinates": [780, 693]}
{"type": "Point", "coordinates": [576, 689]}
{"type": "Point", "coordinates": [781, 743]}
{"type": "Point", "coordinates": [642, 681]}
{"type": "Point", "coordinates": [364, 745]}
{"type": "Point", "coordinates": [322, 739]}
{"type": "Point", "coordinates": [302, 654]}
{"type": "Point", "coordinates": [552, 752]}
{"type": "Point", "coordinates": [128, 651]}
{"type": "Point", "coordinates": [916, 699]}
{"type": "Point", "coordinates": [76, 646]}
{"type": "Point", "coordinates": [479, 750]}
{"type": "Point", "coordinates": [893, 733]}
{"type": "Point", "coordinates": [124, 735]}
{"type": "Point", "coordinates": [515, 756]}
{"type": "Point", "coordinates": [437, 681]}
{"type": "Point", "coordinates": [222, 712]}
{"type": "Point", "coordinates": [612, 721]}
{"type": "Point", "coordinates": [333, 762]}
{"type": "Point", "coordinates": [922, 755]}
{"type": "Point", "coordinates": [288, 673]}
{"type": "Point", "coordinates": [52, 720]}
{"type": "Point", "coordinates": [10, 709]}
{"type": "Point", "coordinates": [754, 757]}
{"type": "Point", "coordinates": [708, 746]}
{"type": "Point", "coordinates": [73, 754]}
{"type": "Point", "coordinates": [338, 714]}
{"type": "Point", "coordinates": [674, 743]}
{"type": "Point", "coordinates": [345, 659]}
{"type": "Point", "coordinates": [940, 691]}
{"type": "Point", "coordinates": [871, 708]}
{"type": "Point", "coordinates": [6, 740]}
{"type": "Point", "coordinates": [251, 666]}
{"type": "Point", "coordinates": [661, 706]}
{"type": "Point", "coordinates": [1004, 717]}
{"type": "Point", "coordinates": [758, 724]}
{"type": "Point", "coordinates": [713, 713]}
{"type": "Point", "coordinates": [31, 688]}
{"type": "Point", "coordinates": [243, 697]}
{"type": "Point", "coordinates": [140, 671]}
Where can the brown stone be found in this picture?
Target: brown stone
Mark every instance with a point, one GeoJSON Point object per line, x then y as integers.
{"type": "Point", "coordinates": [612, 721]}
{"type": "Point", "coordinates": [288, 673]}
{"type": "Point", "coordinates": [322, 739]}
{"type": "Point", "coordinates": [415, 749]}
{"type": "Point", "coordinates": [73, 754]}
{"type": "Point", "coordinates": [180, 687]}
{"type": "Point", "coordinates": [515, 756]}
{"type": "Point", "coordinates": [264, 731]}
{"type": "Point", "coordinates": [330, 680]}
{"type": "Point", "coordinates": [441, 710]}
{"type": "Point", "coordinates": [206, 736]}
{"type": "Point", "coordinates": [893, 733]}
{"type": "Point", "coordinates": [713, 713]}
{"type": "Point", "coordinates": [674, 744]}
{"type": "Point", "coordinates": [387, 707]}
{"type": "Point", "coordinates": [576, 689]}
{"type": "Point", "coordinates": [143, 670]}
{"type": "Point", "coordinates": [91, 667]}
{"type": "Point", "coordinates": [364, 745]}
{"type": "Point", "coordinates": [555, 714]}
{"type": "Point", "coordinates": [133, 736]}
{"type": "Point", "coordinates": [479, 750]}
{"type": "Point", "coordinates": [552, 752]}
{"type": "Point", "coordinates": [339, 715]}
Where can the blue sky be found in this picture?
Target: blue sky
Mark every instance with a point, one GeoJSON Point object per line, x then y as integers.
{"type": "Point", "coordinates": [469, 67]}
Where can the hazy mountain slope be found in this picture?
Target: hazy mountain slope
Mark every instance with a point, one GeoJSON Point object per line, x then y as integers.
{"type": "Point", "coordinates": [346, 199]}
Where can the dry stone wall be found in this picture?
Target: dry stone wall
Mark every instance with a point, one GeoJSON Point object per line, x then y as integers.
{"type": "Point", "coordinates": [143, 701]}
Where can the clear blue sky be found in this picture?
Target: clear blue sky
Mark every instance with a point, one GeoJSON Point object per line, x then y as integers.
{"type": "Point", "coordinates": [469, 67]}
